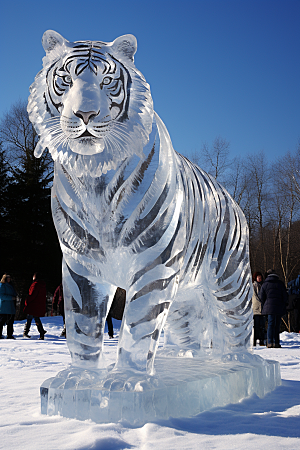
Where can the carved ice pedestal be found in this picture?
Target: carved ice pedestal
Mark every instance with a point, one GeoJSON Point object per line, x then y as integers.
{"type": "Point", "coordinates": [187, 387]}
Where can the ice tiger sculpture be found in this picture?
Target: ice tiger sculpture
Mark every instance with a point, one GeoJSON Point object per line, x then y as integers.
{"type": "Point", "coordinates": [131, 212]}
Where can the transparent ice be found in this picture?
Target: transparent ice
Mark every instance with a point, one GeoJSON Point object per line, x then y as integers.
{"type": "Point", "coordinates": [130, 212]}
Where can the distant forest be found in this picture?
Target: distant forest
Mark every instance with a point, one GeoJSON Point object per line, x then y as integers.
{"type": "Point", "coordinates": [268, 193]}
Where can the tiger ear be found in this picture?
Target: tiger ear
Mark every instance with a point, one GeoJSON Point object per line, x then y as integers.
{"type": "Point", "coordinates": [126, 46]}
{"type": "Point", "coordinates": [52, 40]}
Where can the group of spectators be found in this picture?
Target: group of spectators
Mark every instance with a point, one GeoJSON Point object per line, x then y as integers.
{"type": "Point", "coordinates": [35, 305]}
{"type": "Point", "coordinates": [269, 302]}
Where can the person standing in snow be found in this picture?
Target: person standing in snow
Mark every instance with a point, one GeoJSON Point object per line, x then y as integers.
{"type": "Point", "coordinates": [274, 298]}
{"type": "Point", "coordinates": [7, 305]}
{"type": "Point", "coordinates": [258, 319]}
{"type": "Point", "coordinates": [35, 305]}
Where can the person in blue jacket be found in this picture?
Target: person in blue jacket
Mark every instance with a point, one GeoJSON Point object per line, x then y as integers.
{"type": "Point", "coordinates": [7, 305]}
{"type": "Point", "coordinates": [274, 298]}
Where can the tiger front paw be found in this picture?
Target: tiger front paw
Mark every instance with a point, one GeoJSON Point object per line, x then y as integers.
{"type": "Point", "coordinates": [130, 380]}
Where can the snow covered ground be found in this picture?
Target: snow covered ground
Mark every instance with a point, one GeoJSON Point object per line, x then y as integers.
{"type": "Point", "coordinates": [269, 423]}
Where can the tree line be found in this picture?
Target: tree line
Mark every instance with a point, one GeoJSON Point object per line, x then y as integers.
{"type": "Point", "coordinates": [267, 192]}
{"type": "Point", "coordinates": [28, 237]}
{"type": "Point", "coordinates": [269, 195]}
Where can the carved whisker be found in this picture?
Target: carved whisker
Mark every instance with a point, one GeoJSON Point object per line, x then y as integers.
{"type": "Point", "coordinates": [120, 132]}
{"type": "Point", "coordinates": [53, 119]}
{"type": "Point", "coordinates": [122, 136]}
{"type": "Point", "coordinates": [108, 143]}
{"type": "Point", "coordinates": [58, 139]}
{"type": "Point", "coordinates": [115, 143]}
{"type": "Point", "coordinates": [54, 129]}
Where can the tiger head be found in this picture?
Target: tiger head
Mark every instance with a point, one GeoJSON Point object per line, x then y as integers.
{"type": "Point", "coordinates": [89, 104]}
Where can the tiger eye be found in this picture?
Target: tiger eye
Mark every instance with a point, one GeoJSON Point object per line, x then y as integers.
{"type": "Point", "coordinates": [68, 79]}
{"type": "Point", "coordinates": [106, 80]}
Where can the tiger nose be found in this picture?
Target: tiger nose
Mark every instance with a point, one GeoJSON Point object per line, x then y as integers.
{"type": "Point", "coordinates": [86, 116]}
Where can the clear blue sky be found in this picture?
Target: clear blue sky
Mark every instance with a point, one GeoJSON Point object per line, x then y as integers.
{"type": "Point", "coordinates": [215, 67]}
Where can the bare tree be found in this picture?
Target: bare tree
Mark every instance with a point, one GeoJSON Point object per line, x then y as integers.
{"type": "Point", "coordinates": [286, 209]}
{"type": "Point", "coordinates": [214, 158]}
{"type": "Point", "coordinates": [292, 166]}
{"type": "Point", "coordinates": [19, 140]}
{"type": "Point", "coordinates": [237, 181]}
{"type": "Point", "coordinates": [258, 196]}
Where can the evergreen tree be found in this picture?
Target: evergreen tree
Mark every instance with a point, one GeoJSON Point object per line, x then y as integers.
{"type": "Point", "coordinates": [4, 185]}
{"type": "Point", "coordinates": [31, 239]}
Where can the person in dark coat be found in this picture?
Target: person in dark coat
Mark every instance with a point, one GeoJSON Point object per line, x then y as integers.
{"type": "Point", "coordinates": [58, 305]}
{"type": "Point", "coordinates": [7, 305]}
{"type": "Point", "coordinates": [274, 298]}
{"type": "Point", "coordinates": [294, 303]}
{"type": "Point", "coordinates": [35, 306]}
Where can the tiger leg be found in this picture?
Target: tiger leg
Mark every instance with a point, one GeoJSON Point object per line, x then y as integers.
{"type": "Point", "coordinates": [87, 303]}
{"type": "Point", "coordinates": [144, 317]}
{"type": "Point", "coordinates": [189, 327]}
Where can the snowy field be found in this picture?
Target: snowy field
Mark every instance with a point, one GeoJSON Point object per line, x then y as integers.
{"type": "Point", "coordinates": [269, 423]}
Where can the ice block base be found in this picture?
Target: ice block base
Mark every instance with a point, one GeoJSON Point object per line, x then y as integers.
{"type": "Point", "coordinates": [187, 387]}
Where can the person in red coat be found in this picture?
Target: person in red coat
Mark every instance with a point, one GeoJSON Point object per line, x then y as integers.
{"type": "Point", "coordinates": [35, 306]}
